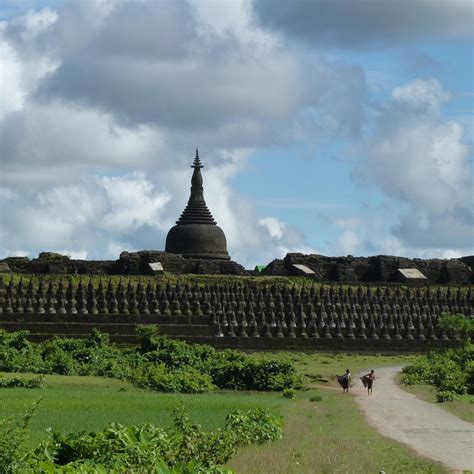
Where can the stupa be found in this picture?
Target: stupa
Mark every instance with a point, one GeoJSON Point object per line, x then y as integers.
{"type": "Point", "coordinates": [196, 234]}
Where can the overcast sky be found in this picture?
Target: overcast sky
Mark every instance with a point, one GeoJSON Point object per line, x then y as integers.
{"type": "Point", "coordinates": [325, 126]}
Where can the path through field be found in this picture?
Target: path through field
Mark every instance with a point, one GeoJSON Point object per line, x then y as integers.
{"type": "Point", "coordinates": [424, 427]}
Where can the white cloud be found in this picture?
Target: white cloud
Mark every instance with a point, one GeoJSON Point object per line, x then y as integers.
{"type": "Point", "coordinates": [132, 203]}
{"type": "Point", "coordinates": [275, 227]}
{"type": "Point", "coordinates": [423, 95]}
{"type": "Point", "coordinates": [349, 242]}
{"type": "Point", "coordinates": [36, 22]}
{"type": "Point", "coordinates": [423, 161]}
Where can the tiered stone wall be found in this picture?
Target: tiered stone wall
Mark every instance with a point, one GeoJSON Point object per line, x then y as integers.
{"type": "Point", "coordinates": [240, 315]}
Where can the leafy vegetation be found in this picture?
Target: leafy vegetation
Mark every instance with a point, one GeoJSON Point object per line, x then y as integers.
{"type": "Point", "coordinates": [457, 323]}
{"type": "Point", "coordinates": [451, 372]}
{"type": "Point", "coordinates": [158, 363]}
{"type": "Point", "coordinates": [116, 448]}
{"type": "Point", "coordinates": [36, 382]}
{"type": "Point", "coordinates": [13, 434]}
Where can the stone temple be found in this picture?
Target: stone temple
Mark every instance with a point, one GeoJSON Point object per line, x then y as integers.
{"type": "Point", "coordinates": [196, 234]}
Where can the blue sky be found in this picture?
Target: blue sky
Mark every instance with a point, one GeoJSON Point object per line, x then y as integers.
{"type": "Point", "coordinates": [325, 127]}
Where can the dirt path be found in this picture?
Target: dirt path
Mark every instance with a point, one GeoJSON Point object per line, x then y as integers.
{"type": "Point", "coordinates": [424, 427]}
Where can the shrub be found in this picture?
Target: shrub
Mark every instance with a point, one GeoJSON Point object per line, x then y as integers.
{"type": "Point", "coordinates": [13, 433]}
{"type": "Point", "coordinates": [316, 398]}
{"type": "Point", "coordinates": [254, 426]}
{"type": "Point", "coordinates": [289, 393]}
{"type": "Point", "coordinates": [158, 363]}
{"type": "Point", "coordinates": [21, 382]}
{"type": "Point", "coordinates": [445, 396]}
{"type": "Point", "coordinates": [457, 323]}
{"type": "Point", "coordinates": [451, 372]}
{"type": "Point", "coordinates": [161, 378]}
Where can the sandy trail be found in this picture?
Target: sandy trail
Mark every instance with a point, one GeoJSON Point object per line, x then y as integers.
{"type": "Point", "coordinates": [424, 427]}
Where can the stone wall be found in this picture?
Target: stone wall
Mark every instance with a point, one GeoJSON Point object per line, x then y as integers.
{"type": "Point", "coordinates": [129, 263]}
{"type": "Point", "coordinates": [377, 269]}
{"type": "Point", "coordinates": [380, 268]}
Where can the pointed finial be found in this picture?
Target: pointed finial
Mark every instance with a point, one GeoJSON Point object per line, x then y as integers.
{"type": "Point", "coordinates": [197, 161]}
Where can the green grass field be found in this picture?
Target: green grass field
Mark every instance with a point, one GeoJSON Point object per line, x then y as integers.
{"type": "Point", "coordinates": [326, 437]}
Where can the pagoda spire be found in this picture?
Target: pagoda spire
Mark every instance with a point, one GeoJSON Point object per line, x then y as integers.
{"type": "Point", "coordinates": [197, 162]}
{"type": "Point", "coordinates": [196, 212]}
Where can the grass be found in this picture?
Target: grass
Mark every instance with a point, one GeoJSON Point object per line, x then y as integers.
{"type": "Point", "coordinates": [462, 408]}
{"type": "Point", "coordinates": [73, 403]}
{"type": "Point", "coordinates": [324, 436]}
{"type": "Point", "coordinates": [323, 368]}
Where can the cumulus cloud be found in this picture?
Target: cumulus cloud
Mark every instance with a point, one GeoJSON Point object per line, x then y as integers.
{"type": "Point", "coordinates": [283, 238]}
{"type": "Point", "coordinates": [422, 160]}
{"type": "Point", "coordinates": [366, 23]}
{"type": "Point", "coordinates": [85, 218]}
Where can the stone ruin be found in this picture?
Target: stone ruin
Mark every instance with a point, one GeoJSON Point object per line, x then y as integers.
{"type": "Point", "coordinates": [246, 315]}
{"type": "Point", "coordinates": [377, 269]}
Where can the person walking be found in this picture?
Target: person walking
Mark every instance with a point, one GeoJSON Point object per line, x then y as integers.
{"type": "Point", "coordinates": [368, 381]}
{"type": "Point", "coordinates": [345, 381]}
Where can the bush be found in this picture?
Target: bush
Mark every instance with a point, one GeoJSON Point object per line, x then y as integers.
{"type": "Point", "coordinates": [249, 374]}
{"type": "Point", "coordinates": [451, 372]}
{"type": "Point", "coordinates": [158, 363]}
{"type": "Point", "coordinates": [316, 398]}
{"type": "Point", "coordinates": [253, 426]}
{"type": "Point", "coordinates": [13, 433]}
{"type": "Point", "coordinates": [161, 378]}
{"type": "Point", "coordinates": [457, 323]}
{"type": "Point", "coordinates": [289, 393]}
{"type": "Point", "coordinates": [21, 382]}
{"type": "Point", "coordinates": [446, 396]}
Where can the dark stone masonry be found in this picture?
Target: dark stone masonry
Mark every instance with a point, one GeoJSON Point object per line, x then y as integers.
{"type": "Point", "coordinates": [377, 269]}
{"type": "Point", "coordinates": [196, 234]}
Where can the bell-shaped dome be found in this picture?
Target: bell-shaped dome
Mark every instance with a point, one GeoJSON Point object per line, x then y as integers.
{"type": "Point", "coordinates": [196, 234]}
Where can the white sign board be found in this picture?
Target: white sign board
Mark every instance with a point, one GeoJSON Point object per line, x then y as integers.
{"type": "Point", "coordinates": [304, 269]}
{"type": "Point", "coordinates": [156, 267]}
{"type": "Point", "coordinates": [412, 273]}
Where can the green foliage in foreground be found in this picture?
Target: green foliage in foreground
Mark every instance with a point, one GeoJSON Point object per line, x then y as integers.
{"type": "Point", "coordinates": [451, 372]}
{"type": "Point", "coordinates": [158, 363]}
{"type": "Point", "coordinates": [141, 448]}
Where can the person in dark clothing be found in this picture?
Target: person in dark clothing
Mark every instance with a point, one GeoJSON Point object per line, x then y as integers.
{"type": "Point", "coordinates": [345, 381]}
{"type": "Point", "coordinates": [368, 381]}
